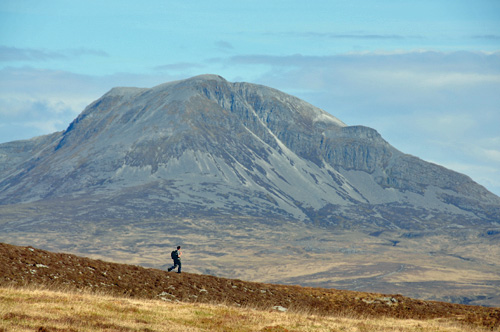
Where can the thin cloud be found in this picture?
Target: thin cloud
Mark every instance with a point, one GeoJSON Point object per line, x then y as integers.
{"type": "Point", "coordinates": [10, 54]}
{"type": "Point", "coordinates": [354, 36]}
{"type": "Point", "coordinates": [37, 116]}
{"type": "Point", "coordinates": [492, 154]}
{"type": "Point", "coordinates": [224, 46]}
{"type": "Point", "coordinates": [78, 52]}
{"type": "Point", "coordinates": [14, 54]}
{"type": "Point", "coordinates": [487, 37]}
{"type": "Point", "coordinates": [459, 61]}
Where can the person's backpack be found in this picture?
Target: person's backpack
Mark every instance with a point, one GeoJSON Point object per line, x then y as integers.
{"type": "Point", "coordinates": [174, 254]}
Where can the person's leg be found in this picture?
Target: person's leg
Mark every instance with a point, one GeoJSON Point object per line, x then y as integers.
{"type": "Point", "coordinates": [179, 269]}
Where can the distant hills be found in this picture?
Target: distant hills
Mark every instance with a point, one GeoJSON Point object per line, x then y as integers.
{"type": "Point", "coordinates": [183, 158]}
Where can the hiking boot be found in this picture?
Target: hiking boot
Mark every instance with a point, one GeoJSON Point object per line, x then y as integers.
{"type": "Point", "coordinates": [169, 269]}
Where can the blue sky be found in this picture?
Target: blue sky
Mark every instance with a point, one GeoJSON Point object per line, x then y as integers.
{"type": "Point", "coordinates": [425, 74]}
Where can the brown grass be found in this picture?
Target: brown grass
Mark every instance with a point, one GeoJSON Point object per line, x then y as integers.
{"type": "Point", "coordinates": [202, 303]}
{"type": "Point", "coordinates": [31, 309]}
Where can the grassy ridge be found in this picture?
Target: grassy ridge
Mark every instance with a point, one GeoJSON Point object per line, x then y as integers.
{"type": "Point", "coordinates": [34, 309]}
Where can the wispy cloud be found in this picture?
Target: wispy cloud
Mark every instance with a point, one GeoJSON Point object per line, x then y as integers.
{"type": "Point", "coordinates": [35, 115]}
{"type": "Point", "coordinates": [354, 36]}
{"type": "Point", "coordinates": [14, 54]}
{"type": "Point", "coordinates": [8, 54]}
{"type": "Point", "coordinates": [224, 46]}
{"type": "Point", "coordinates": [461, 61]}
{"type": "Point", "coordinates": [487, 37]}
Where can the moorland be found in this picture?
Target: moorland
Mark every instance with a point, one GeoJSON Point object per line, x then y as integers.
{"type": "Point", "coordinates": [46, 291]}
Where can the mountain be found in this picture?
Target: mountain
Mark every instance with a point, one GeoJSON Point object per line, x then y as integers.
{"type": "Point", "coordinates": [239, 167]}
{"type": "Point", "coordinates": [208, 145]}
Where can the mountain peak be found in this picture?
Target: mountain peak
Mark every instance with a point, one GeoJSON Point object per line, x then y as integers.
{"type": "Point", "coordinates": [207, 77]}
{"type": "Point", "coordinates": [124, 91]}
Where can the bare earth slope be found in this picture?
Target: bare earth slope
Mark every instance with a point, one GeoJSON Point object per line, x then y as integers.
{"type": "Point", "coordinates": [29, 266]}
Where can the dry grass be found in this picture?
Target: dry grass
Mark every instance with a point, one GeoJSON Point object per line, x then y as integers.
{"type": "Point", "coordinates": [35, 309]}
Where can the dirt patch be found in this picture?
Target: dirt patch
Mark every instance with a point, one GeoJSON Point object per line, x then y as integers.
{"type": "Point", "coordinates": [21, 266]}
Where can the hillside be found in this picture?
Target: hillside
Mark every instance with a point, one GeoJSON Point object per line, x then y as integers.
{"type": "Point", "coordinates": [22, 266]}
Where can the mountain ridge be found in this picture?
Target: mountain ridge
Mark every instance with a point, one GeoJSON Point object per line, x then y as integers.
{"type": "Point", "coordinates": [247, 127]}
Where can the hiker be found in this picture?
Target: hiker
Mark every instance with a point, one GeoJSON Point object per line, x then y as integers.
{"type": "Point", "coordinates": [176, 256]}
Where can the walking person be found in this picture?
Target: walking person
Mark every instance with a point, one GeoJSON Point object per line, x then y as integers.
{"type": "Point", "coordinates": [176, 256]}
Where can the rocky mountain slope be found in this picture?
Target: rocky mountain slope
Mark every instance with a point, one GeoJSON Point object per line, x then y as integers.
{"type": "Point", "coordinates": [210, 146]}
{"type": "Point", "coordinates": [28, 266]}
{"type": "Point", "coordinates": [258, 185]}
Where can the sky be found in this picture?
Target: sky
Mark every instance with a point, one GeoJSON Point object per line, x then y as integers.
{"type": "Point", "coordinates": [425, 74]}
